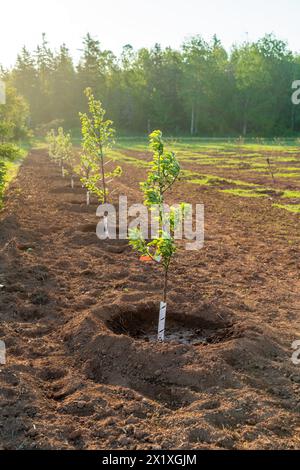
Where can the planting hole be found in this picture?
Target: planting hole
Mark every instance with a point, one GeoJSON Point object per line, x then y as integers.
{"type": "Point", "coordinates": [180, 328]}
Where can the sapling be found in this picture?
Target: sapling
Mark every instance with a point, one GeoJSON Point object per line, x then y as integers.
{"type": "Point", "coordinates": [71, 169]}
{"type": "Point", "coordinates": [51, 140]}
{"type": "Point", "coordinates": [164, 172]}
{"type": "Point", "coordinates": [98, 135]}
{"type": "Point", "coordinates": [60, 148]}
{"type": "Point", "coordinates": [84, 170]}
{"type": "Point", "coordinates": [270, 169]}
{"type": "Point", "coordinates": [64, 150]}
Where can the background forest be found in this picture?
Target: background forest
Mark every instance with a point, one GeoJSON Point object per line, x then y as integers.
{"type": "Point", "coordinates": [200, 89]}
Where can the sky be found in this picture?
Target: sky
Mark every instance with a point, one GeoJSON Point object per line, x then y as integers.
{"type": "Point", "coordinates": [142, 23]}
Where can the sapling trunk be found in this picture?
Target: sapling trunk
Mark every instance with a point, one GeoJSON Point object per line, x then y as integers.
{"type": "Point", "coordinates": [165, 290]}
{"type": "Point", "coordinates": [105, 220]}
{"type": "Point", "coordinates": [103, 175]}
{"type": "Point", "coordinates": [72, 182]}
{"type": "Point", "coordinates": [270, 170]}
{"type": "Point", "coordinates": [62, 171]}
{"type": "Point", "coordinates": [87, 198]}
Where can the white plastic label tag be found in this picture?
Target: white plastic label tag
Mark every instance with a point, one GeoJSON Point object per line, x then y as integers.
{"type": "Point", "coordinates": [162, 321]}
{"type": "Point", "coordinates": [105, 220]}
{"type": "Point", "coordinates": [2, 353]}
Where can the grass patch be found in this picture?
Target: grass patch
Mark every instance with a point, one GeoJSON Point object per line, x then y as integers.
{"type": "Point", "coordinates": [213, 180]}
{"type": "Point", "coordinates": [287, 175]}
{"type": "Point", "coordinates": [291, 194]}
{"type": "Point", "coordinates": [121, 157]}
{"type": "Point", "coordinates": [243, 192]}
{"type": "Point", "coordinates": [295, 208]}
{"type": "Point", "coordinates": [11, 170]}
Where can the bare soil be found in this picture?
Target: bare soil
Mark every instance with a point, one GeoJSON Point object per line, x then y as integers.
{"type": "Point", "coordinates": [79, 316]}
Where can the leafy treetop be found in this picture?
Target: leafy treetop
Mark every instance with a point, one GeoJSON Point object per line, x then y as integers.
{"type": "Point", "coordinates": [164, 171]}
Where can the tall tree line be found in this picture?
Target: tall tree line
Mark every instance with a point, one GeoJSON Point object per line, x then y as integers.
{"type": "Point", "coordinates": [199, 89]}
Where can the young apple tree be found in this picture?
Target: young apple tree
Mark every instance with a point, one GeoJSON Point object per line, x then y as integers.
{"type": "Point", "coordinates": [87, 166]}
{"type": "Point", "coordinates": [98, 135]}
{"type": "Point", "coordinates": [51, 140]}
{"type": "Point", "coordinates": [164, 172]}
{"type": "Point", "coordinates": [64, 149]}
{"type": "Point", "coordinates": [60, 148]}
{"type": "Point", "coordinates": [271, 170]}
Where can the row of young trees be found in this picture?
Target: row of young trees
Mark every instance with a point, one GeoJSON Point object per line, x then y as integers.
{"type": "Point", "coordinates": [199, 89]}
{"type": "Point", "coordinates": [97, 137]}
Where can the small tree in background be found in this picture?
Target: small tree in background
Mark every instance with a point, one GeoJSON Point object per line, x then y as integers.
{"type": "Point", "coordinates": [98, 135]}
{"type": "Point", "coordinates": [164, 172]}
{"type": "Point", "coordinates": [52, 145]}
{"type": "Point", "coordinates": [84, 170]}
{"type": "Point", "coordinates": [60, 148]}
{"type": "Point", "coordinates": [64, 149]}
{"type": "Point", "coordinates": [271, 170]}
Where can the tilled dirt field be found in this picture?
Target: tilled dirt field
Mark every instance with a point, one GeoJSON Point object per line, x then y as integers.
{"type": "Point", "coordinates": [77, 316]}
